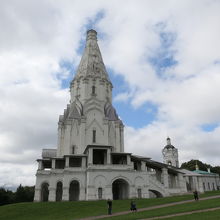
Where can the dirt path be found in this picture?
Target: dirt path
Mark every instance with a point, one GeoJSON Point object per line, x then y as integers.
{"type": "Point", "coordinates": [159, 206]}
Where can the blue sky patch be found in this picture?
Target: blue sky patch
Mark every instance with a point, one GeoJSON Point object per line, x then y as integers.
{"type": "Point", "coordinates": [65, 80]}
{"type": "Point", "coordinates": [209, 127]}
{"type": "Point", "coordinates": [136, 118]}
{"type": "Point", "coordinates": [164, 56]}
{"type": "Point", "coordinates": [130, 116]}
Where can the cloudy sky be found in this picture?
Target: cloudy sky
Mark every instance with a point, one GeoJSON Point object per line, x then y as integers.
{"type": "Point", "coordinates": [163, 58]}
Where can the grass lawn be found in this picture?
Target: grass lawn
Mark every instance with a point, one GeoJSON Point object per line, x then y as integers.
{"type": "Point", "coordinates": [81, 209]}
{"type": "Point", "coordinates": [212, 203]}
{"type": "Point", "coordinates": [212, 215]}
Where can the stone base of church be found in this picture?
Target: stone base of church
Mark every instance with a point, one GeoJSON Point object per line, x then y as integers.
{"type": "Point", "coordinates": [100, 182]}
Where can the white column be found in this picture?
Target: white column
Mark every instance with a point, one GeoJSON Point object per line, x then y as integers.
{"type": "Point", "coordinates": [128, 159]}
{"type": "Point", "coordinates": [67, 137]}
{"type": "Point", "coordinates": [60, 138]}
{"type": "Point", "coordinates": [65, 196]}
{"type": "Point", "coordinates": [181, 182]}
{"type": "Point", "coordinates": [67, 161]}
{"type": "Point", "coordinates": [108, 192]}
{"type": "Point", "coordinates": [133, 193]}
{"type": "Point", "coordinates": [52, 194]}
{"type": "Point", "coordinates": [82, 193]}
{"type": "Point", "coordinates": [53, 163]}
{"type": "Point", "coordinates": [117, 137]}
{"type": "Point", "coordinates": [90, 156]}
{"type": "Point", "coordinates": [40, 165]}
{"type": "Point", "coordinates": [122, 137]}
{"type": "Point", "coordinates": [82, 132]}
{"type": "Point", "coordinates": [165, 177]}
{"type": "Point", "coordinates": [108, 156]}
{"type": "Point", "coordinates": [143, 165]}
{"type": "Point", "coordinates": [91, 192]}
{"type": "Point", "coordinates": [37, 194]}
{"type": "Point", "coordinates": [83, 162]}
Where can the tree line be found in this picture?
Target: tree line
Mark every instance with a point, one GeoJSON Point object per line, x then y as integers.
{"type": "Point", "coordinates": [22, 194]}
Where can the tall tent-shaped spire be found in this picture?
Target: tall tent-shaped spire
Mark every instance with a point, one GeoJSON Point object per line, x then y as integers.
{"type": "Point", "coordinates": [91, 63]}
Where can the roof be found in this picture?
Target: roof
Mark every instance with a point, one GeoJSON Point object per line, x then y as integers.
{"type": "Point", "coordinates": [169, 146]}
{"type": "Point", "coordinates": [190, 173]}
{"type": "Point", "coordinates": [204, 172]}
{"type": "Point", "coordinates": [97, 146]}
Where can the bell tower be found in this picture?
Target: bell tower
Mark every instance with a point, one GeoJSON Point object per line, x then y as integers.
{"type": "Point", "coordinates": [170, 154]}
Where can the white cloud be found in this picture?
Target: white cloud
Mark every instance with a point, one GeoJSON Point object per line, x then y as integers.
{"type": "Point", "coordinates": [39, 35]}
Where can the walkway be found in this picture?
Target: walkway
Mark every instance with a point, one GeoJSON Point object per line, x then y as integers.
{"type": "Point", "coordinates": [159, 206]}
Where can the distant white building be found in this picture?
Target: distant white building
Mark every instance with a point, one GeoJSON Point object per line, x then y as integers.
{"type": "Point", "coordinates": [89, 162]}
{"type": "Point", "coordinates": [195, 180]}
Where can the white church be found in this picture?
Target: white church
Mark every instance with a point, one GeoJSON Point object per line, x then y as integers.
{"type": "Point", "coordinates": [90, 163]}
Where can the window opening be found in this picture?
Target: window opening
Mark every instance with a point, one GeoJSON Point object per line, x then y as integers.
{"type": "Point", "coordinates": [73, 149]}
{"type": "Point", "coordinates": [100, 193]}
{"type": "Point", "coordinates": [93, 90]}
{"type": "Point", "coordinates": [139, 193]}
{"type": "Point", "coordinates": [94, 136]}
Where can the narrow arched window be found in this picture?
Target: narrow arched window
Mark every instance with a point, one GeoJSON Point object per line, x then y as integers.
{"type": "Point", "coordinates": [93, 90]}
{"type": "Point", "coordinates": [100, 193]}
{"type": "Point", "coordinates": [73, 149]}
{"type": "Point", "coordinates": [139, 193]}
{"type": "Point", "coordinates": [94, 136]}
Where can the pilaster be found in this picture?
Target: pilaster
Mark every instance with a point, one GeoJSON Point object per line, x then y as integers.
{"type": "Point", "coordinates": [40, 165]}
{"type": "Point", "coordinates": [83, 162]}
{"type": "Point", "coordinates": [52, 194]}
{"type": "Point", "coordinates": [67, 161]}
{"type": "Point", "coordinates": [108, 192]}
{"type": "Point", "coordinates": [65, 196]}
{"type": "Point", "coordinates": [108, 156]}
{"type": "Point", "coordinates": [53, 163]}
{"type": "Point", "coordinates": [90, 156]}
{"type": "Point", "coordinates": [143, 166]}
{"type": "Point", "coordinates": [165, 177]}
{"type": "Point", "coordinates": [37, 195]}
{"type": "Point", "coordinates": [128, 159]}
{"type": "Point", "coordinates": [181, 182]}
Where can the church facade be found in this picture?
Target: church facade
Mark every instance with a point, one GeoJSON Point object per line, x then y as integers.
{"type": "Point", "coordinates": [89, 162]}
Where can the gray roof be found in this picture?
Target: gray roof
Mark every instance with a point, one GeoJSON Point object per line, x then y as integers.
{"type": "Point", "coordinates": [169, 146]}
{"type": "Point", "coordinates": [110, 112]}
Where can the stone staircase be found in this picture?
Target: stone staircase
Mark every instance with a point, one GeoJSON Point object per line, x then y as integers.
{"type": "Point", "coordinates": [154, 184]}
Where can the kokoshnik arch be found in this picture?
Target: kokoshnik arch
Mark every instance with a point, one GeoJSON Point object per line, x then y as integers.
{"type": "Point", "coordinates": [89, 162]}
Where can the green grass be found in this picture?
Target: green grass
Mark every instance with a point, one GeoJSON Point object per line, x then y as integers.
{"type": "Point", "coordinates": [211, 215]}
{"type": "Point", "coordinates": [212, 203]}
{"type": "Point", "coordinates": [76, 210]}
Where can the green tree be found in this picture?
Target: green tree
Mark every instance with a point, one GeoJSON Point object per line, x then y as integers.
{"type": "Point", "coordinates": [24, 194]}
{"type": "Point", "coordinates": [6, 196]}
